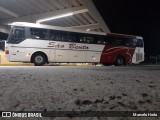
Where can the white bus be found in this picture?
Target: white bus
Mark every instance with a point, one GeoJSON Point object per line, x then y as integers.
{"type": "Point", "coordinates": [41, 44]}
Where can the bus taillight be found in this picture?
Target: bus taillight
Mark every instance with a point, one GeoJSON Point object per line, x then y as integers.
{"type": "Point", "coordinates": [6, 51]}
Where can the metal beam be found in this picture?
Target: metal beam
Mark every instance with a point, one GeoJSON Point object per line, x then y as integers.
{"type": "Point", "coordinates": [4, 30]}
{"type": "Point", "coordinates": [8, 12]}
{"type": "Point", "coordinates": [85, 27]}
{"type": "Point", "coordinates": [95, 14]}
{"type": "Point", "coordinates": [33, 18]}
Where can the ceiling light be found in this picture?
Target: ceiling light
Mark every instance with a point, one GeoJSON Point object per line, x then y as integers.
{"type": "Point", "coordinates": [55, 17]}
{"type": "Point", "coordinates": [62, 15]}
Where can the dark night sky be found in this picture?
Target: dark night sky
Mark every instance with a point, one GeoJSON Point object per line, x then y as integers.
{"type": "Point", "coordinates": [136, 17]}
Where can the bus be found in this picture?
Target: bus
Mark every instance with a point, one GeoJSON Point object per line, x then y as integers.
{"type": "Point", "coordinates": [41, 44]}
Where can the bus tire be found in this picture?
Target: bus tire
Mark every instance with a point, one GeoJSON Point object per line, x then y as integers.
{"type": "Point", "coordinates": [39, 59]}
{"type": "Point", "coordinates": [120, 61]}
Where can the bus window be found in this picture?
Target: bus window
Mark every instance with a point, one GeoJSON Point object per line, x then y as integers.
{"type": "Point", "coordinates": [115, 41]}
{"type": "Point", "coordinates": [139, 43]}
{"type": "Point", "coordinates": [19, 34]}
{"type": "Point", "coordinates": [51, 35]}
{"type": "Point", "coordinates": [119, 41]}
{"type": "Point", "coordinates": [106, 40]}
{"type": "Point", "coordinates": [73, 37]}
{"type": "Point", "coordinates": [90, 39]}
{"type": "Point", "coordinates": [99, 40]}
{"type": "Point", "coordinates": [37, 33]}
{"type": "Point", "coordinates": [83, 39]}
{"type": "Point", "coordinates": [61, 36]}
{"type": "Point", "coordinates": [129, 42]}
{"type": "Point", "coordinates": [134, 42]}
{"type": "Point", "coordinates": [16, 36]}
{"type": "Point", "coordinates": [87, 38]}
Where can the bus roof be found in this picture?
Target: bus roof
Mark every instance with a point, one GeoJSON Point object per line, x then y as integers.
{"type": "Point", "coordinates": [26, 24]}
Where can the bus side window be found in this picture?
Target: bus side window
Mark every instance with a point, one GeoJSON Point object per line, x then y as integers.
{"type": "Point", "coordinates": [105, 40]}
{"type": "Point", "coordinates": [51, 35]}
{"type": "Point", "coordinates": [99, 40]}
{"type": "Point", "coordinates": [129, 42]}
{"type": "Point", "coordinates": [87, 38]}
{"type": "Point", "coordinates": [43, 34]}
{"type": "Point", "coordinates": [118, 41]}
{"type": "Point", "coordinates": [61, 36]}
{"type": "Point", "coordinates": [90, 40]}
{"type": "Point", "coordinates": [18, 35]}
{"type": "Point", "coordinates": [73, 37]}
{"type": "Point", "coordinates": [38, 33]}
{"type": "Point", "coordinates": [82, 39]}
{"type": "Point", "coordinates": [64, 36]}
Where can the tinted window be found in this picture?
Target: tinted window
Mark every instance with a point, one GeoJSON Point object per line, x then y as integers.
{"type": "Point", "coordinates": [136, 42]}
{"type": "Point", "coordinates": [115, 41]}
{"type": "Point", "coordinates": [61, 36]}
{"type": "Point", "coordinates": [90, 39]}
{"type": "Point", "coordinates": [58, 35]}
{"type": "Point", "coordinates": [17, 35]}
{"type": "Point", "coordinates": [125, 41]}
{"type": "Point", "coordinates": [37, 33]}
{"type": "Point", "coordinates": [51, 34]}
{"type": "Point", "coordinates": [106, 40]}
{"type": "Point", "coordinates": [139, 43]}
{"type": "Point", "coordinates": [129, 42]}
{"type": "Point", "coordinates": [74, 37]}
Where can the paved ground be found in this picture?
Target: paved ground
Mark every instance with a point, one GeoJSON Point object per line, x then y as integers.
{"type": "Point", "coordinates": [75, 88]}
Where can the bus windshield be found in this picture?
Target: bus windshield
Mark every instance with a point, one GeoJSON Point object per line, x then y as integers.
{"type": "Point", "coordinates": [16, 35]}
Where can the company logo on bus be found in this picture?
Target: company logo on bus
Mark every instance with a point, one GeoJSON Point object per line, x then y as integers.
{"type": "Point", "coordinates": [75, 46]}
{"type": "Point", "coordinates": [52, 44]}
{"type": "Point", "coordinates": [71, 46]}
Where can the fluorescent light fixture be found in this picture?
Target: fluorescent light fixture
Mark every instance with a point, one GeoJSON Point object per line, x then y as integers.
{"type": "Point", "coordinates": [62, 15]}
{"type": "Point", "coordinates": [55, 17]}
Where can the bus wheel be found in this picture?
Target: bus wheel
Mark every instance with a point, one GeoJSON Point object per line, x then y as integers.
{"type": "Point", "coordinates": [119, 61]}
{"type": "Point", "coordinates": [39, 60]}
